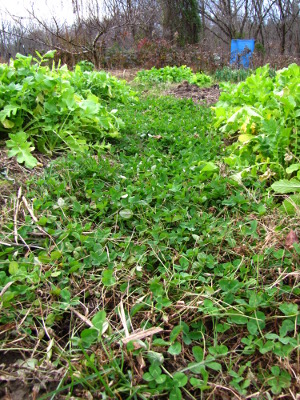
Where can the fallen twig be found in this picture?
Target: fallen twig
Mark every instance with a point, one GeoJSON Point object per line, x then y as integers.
{"type": "Point", "coordinates": [142, 334]}
{"type": "Point", "coordinates": [29, 246]}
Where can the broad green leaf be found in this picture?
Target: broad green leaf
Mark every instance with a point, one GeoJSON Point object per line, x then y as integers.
{"type": "Point", "coordinates": [13, 268]}
{"type": "Point", "coordinates": [160, 342]}
{"type": "Point", "coordinates": [43, 221]}
{"type": "Point", "coordinates": [199, 383]}
{"type": "Point", "coordinates": [148, 377]}
{"type": "Point", "coordinates": [155, 370]}
{"type": "Point", "coordinates": [99, 321]}
{"type": "Point", "coordinates": [175, 394]}
{"type": "Point", "coordinates": [289, 309]}
{"type": "Point", "coordinates": [210, 167]}
{"type": "Point", "coordinates": [175, 332]}
{"type": "Point", "coordinates": [55, 274]}
{"type": "Point", "coordinates": [286, 186]}
{"type": "Point", "coordinates": [292, 168]}
{"type": "Point", "coordinates": [89, 336]}
{"type": "Point", "coordinates": [161, 379]}
{"type": "Point", "coordinates": [287, 326]}
{"type": "Point", "coordinates": [266, 347]}
{"type": "Point", "coordinates": [126, 214]}
{"type": "Point", "coordinates": [281, 380]}
{"type": "Point", "coordinates": [244, 138]}
{"type": "Point", "coordinates": [180, 379]}
{"type": "Point", "coordinates": [198, 353]}
{"type": "Point", "coordinates": [55, 255]}
{"type": "Point", "coordinates": [20, 148]}
{"type": "Point", "coordinates": [255, 300]}
{"type": "Point", "coordinates": [108, 278]}
{"type": "Point", "coordinates": [239, 319]}
{"type": "Point", "coordinates": [49, 54]}
{"type": "Point", "coordinates": [214, 365]}
{"type": "Point", "coordinates": [8, 124]}
{"type": "Point", "coordinates": [65, 294]}
{"type": "Point", "coordinates": [175, 349]}
{"type": "Point", "coordinates": [155, 357]}
{"type": "Point", "coordinates": [256, 322]}
{"type": "Point", "coordinates": [218, 350]}
{"type": "Point", "coordinates": [7, 297]}
{"type": "Point", "coordinates": [50, 319]}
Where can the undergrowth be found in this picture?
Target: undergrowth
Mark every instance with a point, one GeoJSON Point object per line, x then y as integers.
{"type": "Point", "coordinates": [146, 270]}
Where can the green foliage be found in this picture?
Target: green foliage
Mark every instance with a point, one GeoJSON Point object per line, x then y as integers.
{"type": "Point", "coordinates": [86, 66]}
{"type": "Point", "coordinates": [278, 380]}
{"type": "Point", "coordinates": [53, 109]}
{"type": "Point", "coordinates": [100, 84]}
{"type": "Point", "coordinates": [21, 148]}
{"type": "Point", "coordinates": [173, 74]}
{"type": "Point", "coordinates": [262, 113]}
{"type": "Point", "coordinates": [286, 186]}
{"type": "Point", "coordinates": [228, 74]}
{"type": "Point", "coordinates": [152, 233]}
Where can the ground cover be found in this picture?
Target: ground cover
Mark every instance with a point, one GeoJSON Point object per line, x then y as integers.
{"type": "Point", "coordinates": [151, 236]}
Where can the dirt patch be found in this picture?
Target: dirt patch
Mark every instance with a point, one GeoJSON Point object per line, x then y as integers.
{"type": "Point", "coordinates": [22, 379]}
{"type": "Point", "coordinates": [208, 96]}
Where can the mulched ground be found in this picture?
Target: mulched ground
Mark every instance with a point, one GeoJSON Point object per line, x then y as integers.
{"type": "Point", "coordinates": [208, 96]}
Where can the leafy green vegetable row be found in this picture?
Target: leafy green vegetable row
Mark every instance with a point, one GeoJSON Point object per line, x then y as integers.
{"type": "Point", "coordinates": [261, 117]}
{"type": "Point", "coordinates": [173, 74]}
{"type": "Point", "coordinates": [53, 109]}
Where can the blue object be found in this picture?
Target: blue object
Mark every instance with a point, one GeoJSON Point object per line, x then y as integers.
{"type": "Point", "coordinates": [241, 52]}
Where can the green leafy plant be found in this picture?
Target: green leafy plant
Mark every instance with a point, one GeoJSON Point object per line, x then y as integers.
{"type": "Point", "coordinates": [261, 116]}
{"type": "Point", "coordinates": [278, 380]}
{"type": "Point", "coordinates": [144, 269]}
{"type": "Point", "coordinates": [164, 382]}
{"type": "Point", "coordinates": [21, 149]}
{"type": "Point", "coordinates": [228, 74]}
{"type": "Point", "coordinates": [53, 109]}
{"type": "Point", "coordinates": [173, 74]}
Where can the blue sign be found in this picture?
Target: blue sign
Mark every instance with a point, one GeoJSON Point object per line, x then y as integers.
{"type": "Point", "coordinates": [241, 52]}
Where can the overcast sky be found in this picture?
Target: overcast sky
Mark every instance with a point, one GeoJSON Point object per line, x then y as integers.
{"type": "Point", "coordinates": [62, 9]}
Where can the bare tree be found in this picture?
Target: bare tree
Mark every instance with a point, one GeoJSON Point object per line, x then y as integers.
{"type": "Point", "coordinates": [227, 18]}
{"type": "Point", "coordinates": [95, 24]}
{"type": "Point", "coordinates": [260, 10]}
{"type": "Point", "coordinates": [284, 14]}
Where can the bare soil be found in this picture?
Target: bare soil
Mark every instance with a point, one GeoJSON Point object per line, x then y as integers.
{"type": "Point", "coordinates": [21, 379]}
{"type": "Point", "coordinates": [205, 96]}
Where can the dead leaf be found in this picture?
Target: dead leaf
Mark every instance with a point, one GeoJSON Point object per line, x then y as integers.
{"type": "Point", "coordinates": [291, 239]}
{"type": "Point", "coordinates": [142, 334]}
